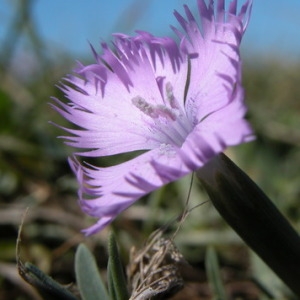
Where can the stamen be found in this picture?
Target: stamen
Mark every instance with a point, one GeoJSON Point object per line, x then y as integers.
{"type": "Point", "coordinates": [170, 121]}
{"type": "Point", "coordinates": [164, 111]}
{"type": "Point", "coordinates": [153, 111]}
{"type": "Point", "coordinates": [170, 96]}
{"type": "Point", "coordinates": [145, 107]}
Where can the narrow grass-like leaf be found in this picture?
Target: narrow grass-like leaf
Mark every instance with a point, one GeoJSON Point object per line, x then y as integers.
{"type": "Point", "coordinates": [110, 282]}
{"type": "Point", "coordinates": [214, 275]}
{"type": "Point", "coordinates": [117, 282]}
{"type": "Point", "coordinates": [88, 278]}
{"type": "Point", "coordinates": [47, 287]}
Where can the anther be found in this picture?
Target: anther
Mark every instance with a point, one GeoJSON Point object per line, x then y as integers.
{"type": "Point", "coordinates": [144, 106]}
{"type": "Point", "coordinates": [170, 96]}
{"type": "Point", "coordinates": [153, 111]}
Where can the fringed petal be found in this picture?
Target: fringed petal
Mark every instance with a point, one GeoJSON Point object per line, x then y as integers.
{"type": "Point", "coordinates": [213, 46]}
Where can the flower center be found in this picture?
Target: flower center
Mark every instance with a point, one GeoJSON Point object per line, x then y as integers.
{"type": "Point", "coordinates": [171, 125]}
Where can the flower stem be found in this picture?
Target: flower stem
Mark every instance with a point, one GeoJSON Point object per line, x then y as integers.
{"type": "Point", "coordinates": [254, 217]}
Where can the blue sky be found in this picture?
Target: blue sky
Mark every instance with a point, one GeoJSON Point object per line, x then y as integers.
{"type": "Point", "coordinates": [68, 25]}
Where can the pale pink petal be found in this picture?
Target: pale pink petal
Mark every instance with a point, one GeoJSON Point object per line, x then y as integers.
{"type": "Point", "coordinates": [123, 184]}
{"type": "Point", "coordinates": [215, 63]}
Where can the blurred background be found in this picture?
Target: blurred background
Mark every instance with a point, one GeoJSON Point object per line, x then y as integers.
{"type": "Point", "coordinates": [40, 43]}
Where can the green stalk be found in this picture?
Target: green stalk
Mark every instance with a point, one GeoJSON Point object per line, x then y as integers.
{"type": "Point", "coordinates": [254, 217]}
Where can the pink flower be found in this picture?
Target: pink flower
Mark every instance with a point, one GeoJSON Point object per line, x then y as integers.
{"type": "Point", "coordinates": [181, 102]}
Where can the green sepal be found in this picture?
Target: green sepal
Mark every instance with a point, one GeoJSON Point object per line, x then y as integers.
{"type": "Point", "coordinates": [254, 217]}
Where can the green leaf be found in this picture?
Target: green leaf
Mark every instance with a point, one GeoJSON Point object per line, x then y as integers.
{"type": "Point", "coordinates": [47, 287]}
{"type": "Point", "coordinates": [111, 287]}
{"type": "Point", "coordinates": [116, 279]}
{"type": "Point", "coordinates": [88, 278]}
{"type": "Point", "coordinates": [214, 275]}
